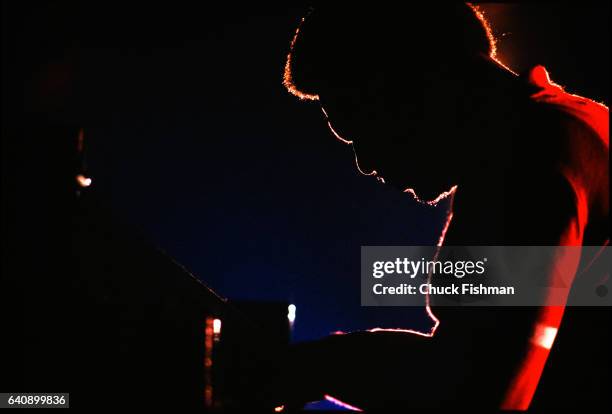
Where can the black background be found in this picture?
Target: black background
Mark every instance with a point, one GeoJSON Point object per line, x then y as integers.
{"type": "Point", "coordinates": [192, 139]}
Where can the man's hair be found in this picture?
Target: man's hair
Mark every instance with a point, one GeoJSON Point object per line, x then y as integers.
{"type": "Point", "coordinates": [339, 47]}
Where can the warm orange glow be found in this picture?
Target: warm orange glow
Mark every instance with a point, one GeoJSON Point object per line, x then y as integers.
{"type": "Point", "coordinates": [492, 40]}
{"type": "Point", "coordinates": [279, 409]}
{"type": "Point", "coordinates": [485, 24]}
{"type": "Point", "coordinates": [83, 181]}
{"type": "Point", "coordinates": [288, 75]}
{"type": "Point", "coordinates": [208, 353]}
{"type": "Point", "coordinates": [295, 91]}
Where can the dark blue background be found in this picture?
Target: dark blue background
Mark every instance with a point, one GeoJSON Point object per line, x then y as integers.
{"type": "Point", "coordinates": [192, 138]}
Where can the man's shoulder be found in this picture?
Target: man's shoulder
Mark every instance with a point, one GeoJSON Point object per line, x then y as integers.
{"type": "Point", "coordinates": [571, 110]}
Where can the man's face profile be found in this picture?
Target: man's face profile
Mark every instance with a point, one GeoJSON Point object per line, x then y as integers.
{"type": "Point", "coordinates": [403, 119]}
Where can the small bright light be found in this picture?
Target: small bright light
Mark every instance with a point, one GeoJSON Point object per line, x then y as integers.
{"type": "Point", "coordinates": [279, 409]}
{"type": "Point", "coordinates": [544, 336]}
{"type": "Point", "coordinates": [217, 326]}
{"type": "Point", "coordinates": [83, 181]}
{"type": "Point", "coordinates": [291, 313]}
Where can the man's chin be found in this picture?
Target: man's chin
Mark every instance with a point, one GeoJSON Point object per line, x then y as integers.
{"type": "Point", "coordinates": [427, 196]}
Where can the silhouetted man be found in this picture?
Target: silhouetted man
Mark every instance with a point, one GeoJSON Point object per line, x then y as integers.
{"type": "Point", "coordinates": [430, 110]}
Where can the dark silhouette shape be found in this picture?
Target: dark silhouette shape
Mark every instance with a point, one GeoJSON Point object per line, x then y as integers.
{"type": "Point", "coordinates": [427, 110]}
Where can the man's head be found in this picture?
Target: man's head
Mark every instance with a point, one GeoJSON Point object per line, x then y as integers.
{"type": "Point", "coordinates": [392, 80]}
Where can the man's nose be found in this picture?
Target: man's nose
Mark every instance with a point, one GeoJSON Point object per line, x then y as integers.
{"type": "Point", "coordinates": [364, 162]}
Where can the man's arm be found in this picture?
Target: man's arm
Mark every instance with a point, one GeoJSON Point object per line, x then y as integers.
{"type": "Point", "coordinates": [557, 216]}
